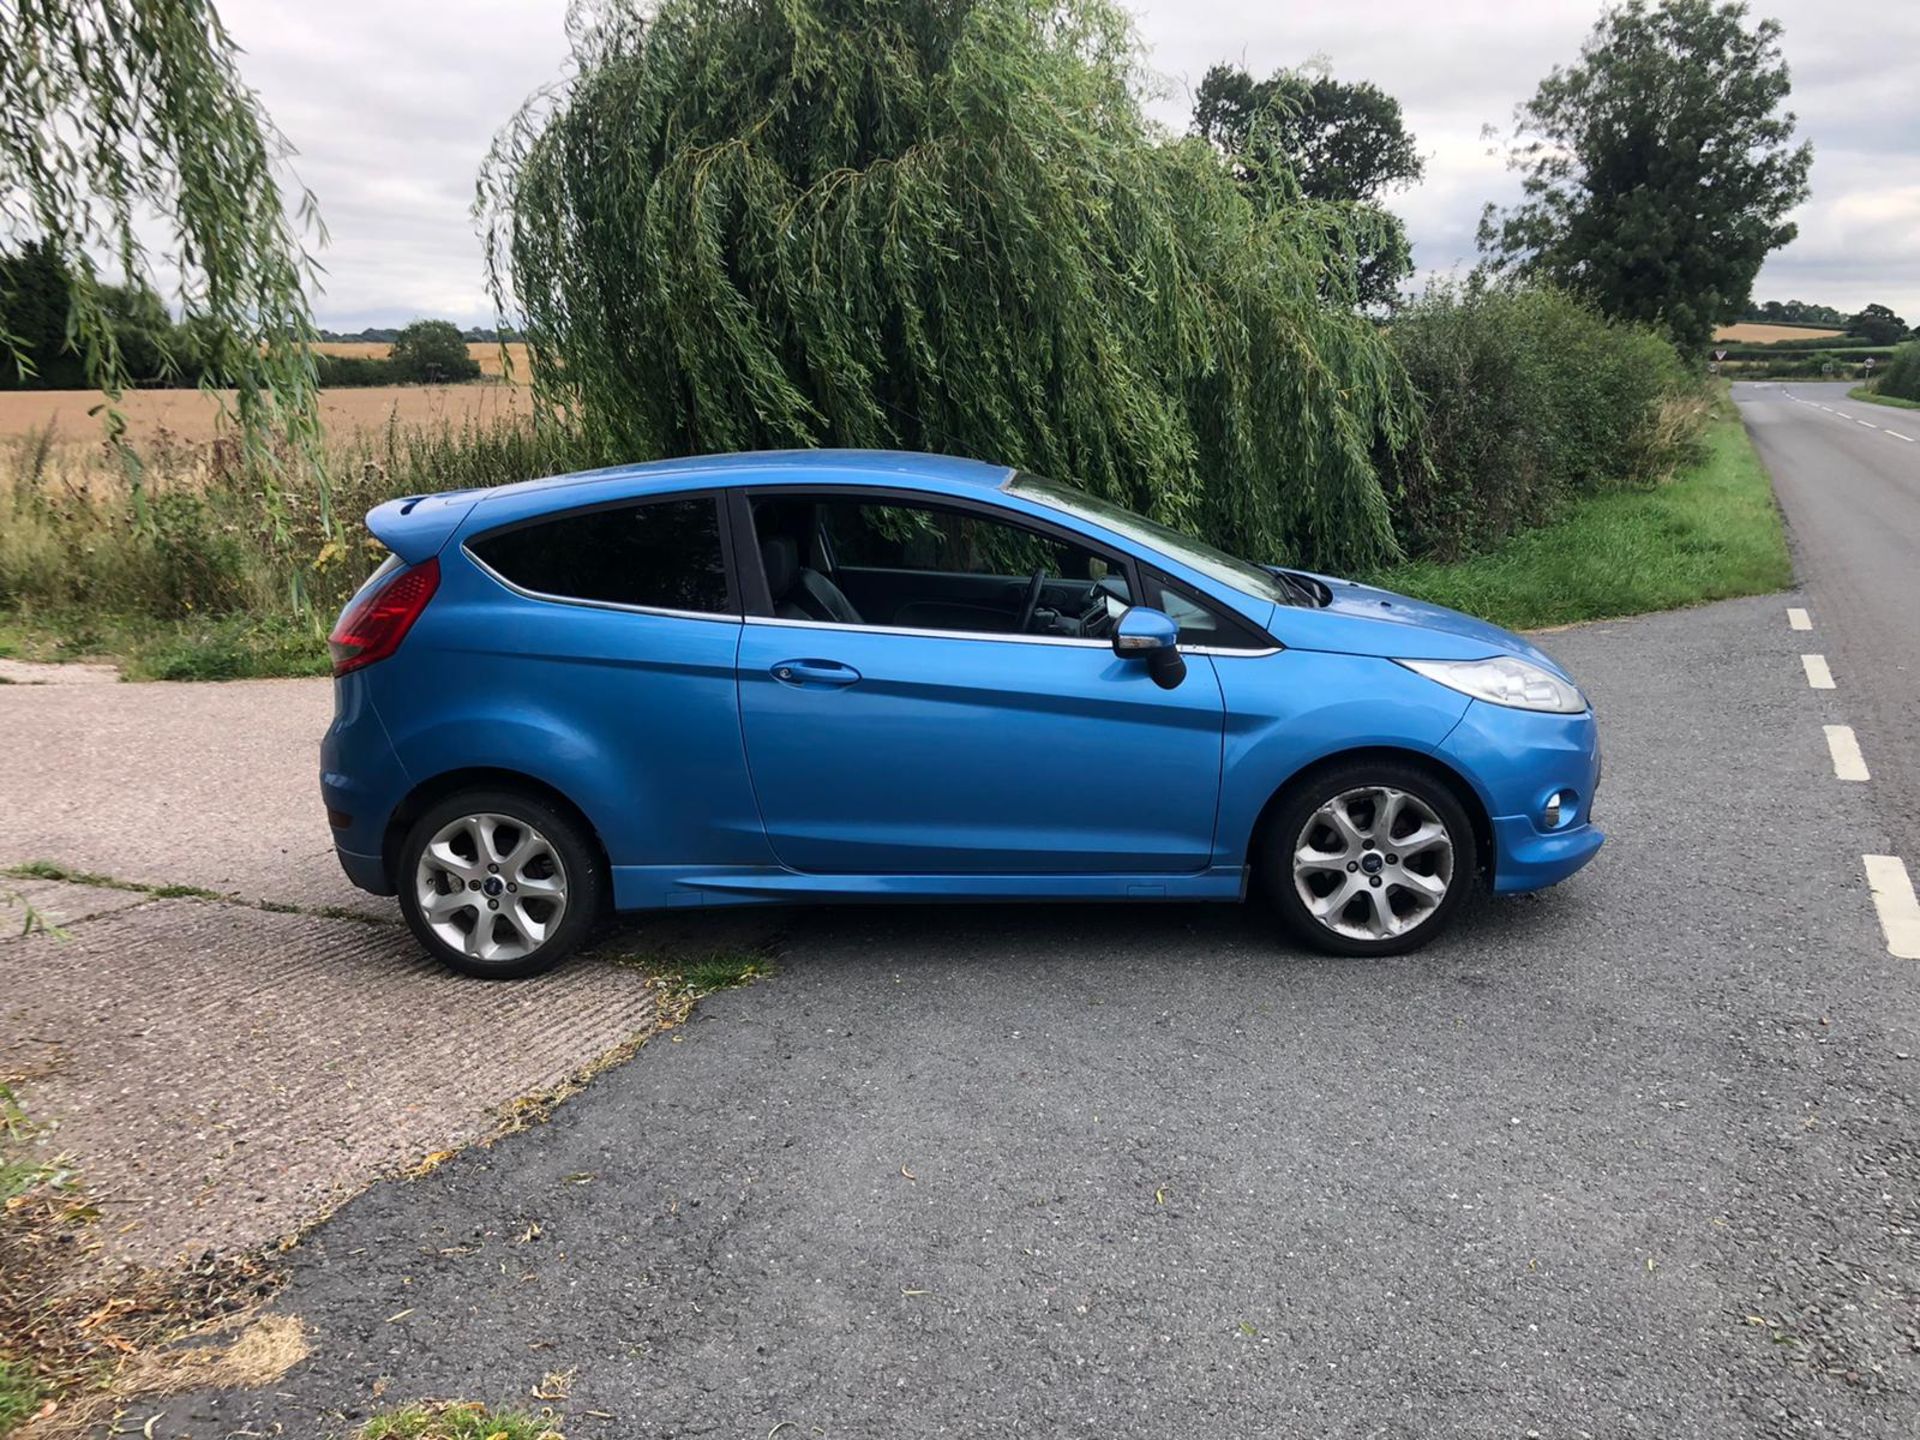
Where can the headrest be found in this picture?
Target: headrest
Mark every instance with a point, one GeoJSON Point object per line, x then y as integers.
{"type": "Point", "coordinates": [780, 557]}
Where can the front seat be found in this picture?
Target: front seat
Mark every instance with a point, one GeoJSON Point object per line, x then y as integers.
{"type": "Point", "coordinates": [799, 593]}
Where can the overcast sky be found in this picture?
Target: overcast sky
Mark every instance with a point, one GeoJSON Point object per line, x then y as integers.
{"type": "Point", "coordinates": [392, 103]}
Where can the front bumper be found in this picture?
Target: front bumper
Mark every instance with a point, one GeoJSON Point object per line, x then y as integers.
{"type": "Point", "coordinates": [1526, 859]}
{"type": "Point", "coordinates": [1516, 760]}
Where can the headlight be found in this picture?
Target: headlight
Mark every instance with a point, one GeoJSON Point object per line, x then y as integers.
{"type": "Point", "coordinates": [1504, 680]}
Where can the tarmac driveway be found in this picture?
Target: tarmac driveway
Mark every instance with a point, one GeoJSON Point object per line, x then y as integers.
{"type": "Point", "coordinates": [1634, 1157]}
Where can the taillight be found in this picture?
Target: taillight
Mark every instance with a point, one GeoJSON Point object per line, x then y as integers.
{"type": "Point", "coordinates": [375, 623]}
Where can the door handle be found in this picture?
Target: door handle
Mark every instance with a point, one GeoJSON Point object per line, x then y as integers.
{"type": "Point", "coordinates": [803, 673]}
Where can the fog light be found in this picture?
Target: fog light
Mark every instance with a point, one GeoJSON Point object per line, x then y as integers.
{"type": "Point", "coordinates": [1556, 803]}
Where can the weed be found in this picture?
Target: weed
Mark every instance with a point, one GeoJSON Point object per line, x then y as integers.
{"type": "Point", "coordinates": [19, 1394]}
{"type": "Point", "coordinates": [722, 970]}
{"type": "Point", "coordinates": [458, 1421]}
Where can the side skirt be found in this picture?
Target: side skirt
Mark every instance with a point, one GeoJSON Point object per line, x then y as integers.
{"type": "Point", "coordinates": [653, 887]}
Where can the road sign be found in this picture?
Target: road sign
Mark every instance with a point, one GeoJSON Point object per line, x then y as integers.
{"type": "Point", "coordinates": [1719, 354]}
{"type": "Point", "coordinates": [1713, 367]}
{"type": "Point", "coordinates": [1826, 367]}
{"type": "Point", "coordinates": [1869, 362]}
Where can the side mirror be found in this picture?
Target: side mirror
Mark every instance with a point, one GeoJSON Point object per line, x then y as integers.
{"type": "Point", "coordinates": [1144, 633]}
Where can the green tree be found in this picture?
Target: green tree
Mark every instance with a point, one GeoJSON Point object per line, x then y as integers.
{"type": "Point", "coordinates": [943, 225]}
{"type": "Point", "coordinates": [35, 307]}
{"type": "Point", "coordinates": [114, 111]}
{"type": "Point", "coordinates": [432, 351]}
{"type": "Point", "coordinates": [1658, 169]}
{"type": "Point", "coordinates": [1343, 142]}
{"type": "Point", "coordinates": [1878, 324]}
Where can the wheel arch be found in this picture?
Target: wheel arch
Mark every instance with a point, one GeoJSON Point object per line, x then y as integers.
{"type": "Point", "coordinates": [1439, 769]}
{"type": "Point", "coordinates": [433, 790]}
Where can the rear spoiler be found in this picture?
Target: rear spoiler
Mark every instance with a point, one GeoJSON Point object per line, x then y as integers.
{"type": "Point", "coordinates": [418, 526]}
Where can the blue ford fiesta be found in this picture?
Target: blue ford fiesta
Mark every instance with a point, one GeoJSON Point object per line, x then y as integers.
{"type": "Point", "coordinates": [844, 675]}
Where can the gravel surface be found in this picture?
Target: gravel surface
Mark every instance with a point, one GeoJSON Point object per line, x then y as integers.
{"type": "Point", "coordinates": [1634, 1157]}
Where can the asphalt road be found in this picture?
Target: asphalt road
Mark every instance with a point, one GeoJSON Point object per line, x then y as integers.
{"type": "Point", "coordinates": [1636, 1157]}
{"type": "Point", "coordinates": [1848, 478]}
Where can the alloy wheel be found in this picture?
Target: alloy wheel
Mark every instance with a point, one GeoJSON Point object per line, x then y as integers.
{"type": "Point", "coordinates": [491, 886]}
{"type": "Point", "coordinates": [1373, 863]}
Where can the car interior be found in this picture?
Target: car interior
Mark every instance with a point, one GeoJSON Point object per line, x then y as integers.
{"type": "Point", "coordinates": [847, 561]}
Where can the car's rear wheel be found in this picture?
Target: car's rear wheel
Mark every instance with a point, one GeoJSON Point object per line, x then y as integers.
{"type": "Point", "coordinates": [1369, 858]}
{"type": "Point", "coordinates": [499, 885]}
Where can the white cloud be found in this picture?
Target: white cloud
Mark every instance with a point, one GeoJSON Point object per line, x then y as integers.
{"type": "Point", "coordinates": [392, 106]}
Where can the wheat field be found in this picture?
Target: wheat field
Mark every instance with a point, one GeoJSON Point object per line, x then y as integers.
{"type": "Point", "coordinates": [1751, 334]}
{"type": "Point", "coordinates": [487, 353]}
{"type": "Point", "coordinates": [191, 417]}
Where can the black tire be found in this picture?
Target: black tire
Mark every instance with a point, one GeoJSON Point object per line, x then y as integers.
{"type": "Point", "coordinates": [574, 860]}
{"type": "Point", "coordinates": [1287, 827]}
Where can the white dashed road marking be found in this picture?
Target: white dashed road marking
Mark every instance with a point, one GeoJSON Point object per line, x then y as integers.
{"type": "Point", "coordinates": [1868, 423]}
{"type": "Point", "coordinates": [1848, 762]}
{"type": "Point", "coordinates": [1898, 436]}
{"type": "Point", "coordinates": [1893, 898]}
{"type": "Point", "coordinates": [1798, 618]}
{"type": "Point", "coordinates": [1818, 675]}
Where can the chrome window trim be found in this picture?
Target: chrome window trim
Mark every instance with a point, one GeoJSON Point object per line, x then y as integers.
{"type": "Point", "coordinates": [1072, 640]}
{"type": "Point", "coordinates": [724, 617]}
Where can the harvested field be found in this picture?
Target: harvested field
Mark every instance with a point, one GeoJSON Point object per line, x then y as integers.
{"type": "Point", "coordinates": [191, 417]}
{"type": "Point", "coordinates": [487, 353]}
{"type": "Point", "coordinates": [1745, 334]}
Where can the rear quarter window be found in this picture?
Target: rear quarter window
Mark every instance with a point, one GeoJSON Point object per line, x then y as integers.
{"type": "Point", "coordinates": [654, 554]}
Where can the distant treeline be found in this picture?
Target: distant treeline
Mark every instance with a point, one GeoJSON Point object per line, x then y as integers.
{"type": "Point", "coordinates": [1874, 325]}
{"type": "Point", "coordinates": [38, 353]}
{"type": "Point", "coordinates": [473, 335]}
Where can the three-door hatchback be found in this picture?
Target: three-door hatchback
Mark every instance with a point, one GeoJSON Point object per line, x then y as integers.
{"type": "Point", "coordinates": [845, 675]}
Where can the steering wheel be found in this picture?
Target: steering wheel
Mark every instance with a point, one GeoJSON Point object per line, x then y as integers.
{"type": "Point", "coordinates": [1032, 602]}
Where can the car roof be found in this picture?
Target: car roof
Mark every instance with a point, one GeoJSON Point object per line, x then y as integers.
{"type": "Point", "coordinates": [768, 467]}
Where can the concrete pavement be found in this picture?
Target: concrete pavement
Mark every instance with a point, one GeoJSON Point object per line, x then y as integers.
{"type": "Point", "coordinates": [222, 1074]}
{"type": "Point", "coordinates": [215, 786]}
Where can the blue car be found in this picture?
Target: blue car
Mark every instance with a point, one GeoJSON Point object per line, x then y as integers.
{"type": "Point", "coordinates": [852, 676]}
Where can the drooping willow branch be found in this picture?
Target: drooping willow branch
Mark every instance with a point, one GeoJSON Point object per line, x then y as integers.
{"type": "Point", "coordinates": [120, 118]}
{"type": "Point", "coordinates": [942, 225]}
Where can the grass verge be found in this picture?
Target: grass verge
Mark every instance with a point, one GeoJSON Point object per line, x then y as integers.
{"type": "Point", "coordinates": [458, 1422]}
{"type": "Point", "coordinates": [228, 647]}
{"type": "Point", "coordinates": [1711, 533]}
{"type": "Point", "coordinates": [1861, 392]}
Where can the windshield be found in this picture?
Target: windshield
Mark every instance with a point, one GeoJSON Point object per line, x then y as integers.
{"type": "Point", "coordinates": [1216, 565]}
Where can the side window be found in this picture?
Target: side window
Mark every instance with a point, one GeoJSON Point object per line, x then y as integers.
{"type": "Point", "coordinates": [660, 554]}
{"type": "Point", "coordinates": [1201, 622]}
{"type": "Point", "coordinates": [840, 558]}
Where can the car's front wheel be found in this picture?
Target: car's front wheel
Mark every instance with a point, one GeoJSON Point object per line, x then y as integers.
{"type": "Point", "coordinates": [499, 885]}
{"type": "Point", "coordinates": [1369, 858]}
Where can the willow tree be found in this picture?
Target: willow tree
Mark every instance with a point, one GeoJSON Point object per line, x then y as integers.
{"type": "Point", "coordinates": [942, 225]}
{"type": "Point", "coordinates": [127, 119]}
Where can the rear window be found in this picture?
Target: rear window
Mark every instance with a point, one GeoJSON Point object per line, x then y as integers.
{"type": "Point", "coordinates": [657, 554]}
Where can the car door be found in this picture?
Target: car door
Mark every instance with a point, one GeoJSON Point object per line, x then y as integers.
{"type": "Point", "coordinates": [893, 749]}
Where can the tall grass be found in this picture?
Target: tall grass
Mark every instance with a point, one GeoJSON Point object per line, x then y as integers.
{"type": "Point", "coordinates": [191, 535]}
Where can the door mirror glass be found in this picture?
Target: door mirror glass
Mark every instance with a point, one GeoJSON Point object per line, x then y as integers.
{"type": "Point", "coordinates": [1150, 635]}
